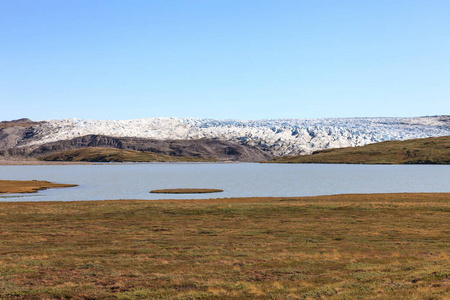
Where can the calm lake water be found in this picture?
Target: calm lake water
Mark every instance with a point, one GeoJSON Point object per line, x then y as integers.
{"type": "Point", "coordinates": [135, 181]}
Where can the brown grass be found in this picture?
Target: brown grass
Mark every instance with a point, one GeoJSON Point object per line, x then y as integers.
{"type": "Point", "coordinates": [186, 191]}
{"type": "Point", "coordinates": [31, 186]}
{"type": "Point", "coordinates": [379, 246]}
{"type": "Point", "coordinates": [435, 150]}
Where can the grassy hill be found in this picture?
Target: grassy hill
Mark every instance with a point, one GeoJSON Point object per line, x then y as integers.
{"type": "Point", "coordinates": [435, 150]}
{"type": "Point", "coordinates": [98, 154]}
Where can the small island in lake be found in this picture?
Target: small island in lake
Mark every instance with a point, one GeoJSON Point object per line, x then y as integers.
{"type": "Point", "coordinates": [186, 191]}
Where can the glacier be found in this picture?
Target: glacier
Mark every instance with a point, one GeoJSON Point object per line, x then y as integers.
{"type": "Point", "coordinates": [277, 136]}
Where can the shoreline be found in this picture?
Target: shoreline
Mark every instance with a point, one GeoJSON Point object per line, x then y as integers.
{"type": "Point", "coordinates": [40, 163]}
{"type": "Point", "coordinates": [56, 163]}
{"type": "Point", "coordinates": [336, 197]}
{"type": "Point", "coordinates": [75, 163]}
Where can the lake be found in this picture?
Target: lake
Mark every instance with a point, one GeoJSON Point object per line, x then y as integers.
{"type": "Point", "coordinates": [135, 181]}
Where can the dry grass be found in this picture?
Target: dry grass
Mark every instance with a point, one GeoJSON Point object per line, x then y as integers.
{"type": "Point", "coordinates": [434, 150]}
{"type": "Point", "coordinates": [380, 246]}
{"type": "Point", "coordinates": [31, 186]}
{"type": "Point", "coordinates": [186, 191]}
{"type": "Point", "coordinates": [99, 154]}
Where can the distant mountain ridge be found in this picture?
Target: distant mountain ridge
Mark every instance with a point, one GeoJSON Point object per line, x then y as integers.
{"type": "Point", "coordinates": [278, 137]}
{"type": "Point", "coordinates": [238, 140]}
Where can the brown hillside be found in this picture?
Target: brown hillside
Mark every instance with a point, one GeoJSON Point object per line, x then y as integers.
{"type": "Point", "coordinates": [435, 150]}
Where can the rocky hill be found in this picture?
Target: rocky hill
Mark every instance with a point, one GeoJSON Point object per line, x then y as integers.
{"type": "Point", "coordinates": [210, 149]}
{"type": "Point", "coordinates": [14, 132]}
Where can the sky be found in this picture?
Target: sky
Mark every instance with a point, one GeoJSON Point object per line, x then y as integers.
{"type": "Point", "coordinates": [223, 59]}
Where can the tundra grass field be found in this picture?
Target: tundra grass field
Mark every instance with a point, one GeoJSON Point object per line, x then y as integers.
{"type": "Point", "coordinates": [384, 246]}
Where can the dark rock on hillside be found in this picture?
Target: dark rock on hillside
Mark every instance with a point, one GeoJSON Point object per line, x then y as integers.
{"type": "Point", "coordinates": [445, 119]}
{"type": "Point", "coordinates": [205, 148]}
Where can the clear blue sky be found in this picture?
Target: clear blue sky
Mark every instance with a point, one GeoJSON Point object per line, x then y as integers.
{"type": "Point", "coordinates": [223, 59]}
